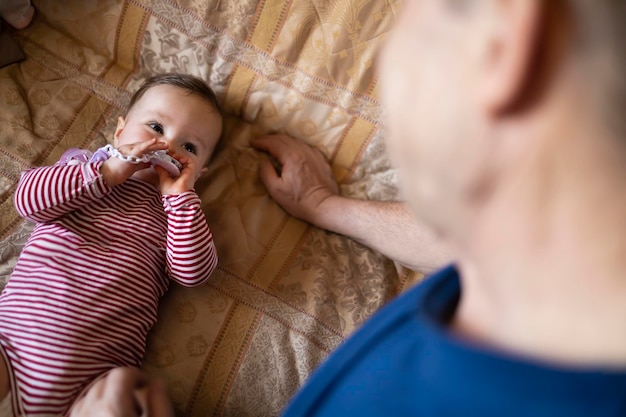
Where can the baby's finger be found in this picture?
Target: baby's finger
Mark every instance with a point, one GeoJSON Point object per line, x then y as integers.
{"type": "Point", "coordinates": [141, 148]}
{"type": "Point", "coordinates": [183, 161]}
{"type": "Point", "coordinates": [151, 146]}
{"type": "Point", "coordinates": [159, 145]}
{"type": "Point", "coordinates": [163, 174]}
{"type": "Point", "coordinates": [134, 149]}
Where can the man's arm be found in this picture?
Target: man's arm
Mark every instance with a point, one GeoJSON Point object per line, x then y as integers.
{"type": "Point", "coordinates": [305, 188]}
{"type": "Point", "coordinates": [387, 227]}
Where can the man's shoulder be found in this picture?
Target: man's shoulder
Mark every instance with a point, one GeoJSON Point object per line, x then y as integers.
{"type": "Point", "coordinates": [403, 318]}
{"type": "Point", "coordinates": [380, 352]}
{"type": "Point", "coordinates": [405, 361]}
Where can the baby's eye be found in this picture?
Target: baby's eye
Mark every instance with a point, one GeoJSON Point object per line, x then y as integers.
{"type": "Point", "coordinates": [157, 127]}
{"type": "Point", "coordinates": [190, 147]}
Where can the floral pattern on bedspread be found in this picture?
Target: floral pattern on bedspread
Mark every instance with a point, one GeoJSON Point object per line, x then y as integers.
{"type": "Point", "coordinates": [285, 294]}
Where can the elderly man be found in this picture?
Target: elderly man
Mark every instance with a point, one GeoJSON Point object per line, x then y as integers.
{"type": "Point", "coordinates": [506, 122]}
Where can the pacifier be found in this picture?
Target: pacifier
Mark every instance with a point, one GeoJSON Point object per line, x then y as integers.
{"type": "Point", "coordinates": [161, 158]}
{"type": "Point", "coordinates": [167, 162]}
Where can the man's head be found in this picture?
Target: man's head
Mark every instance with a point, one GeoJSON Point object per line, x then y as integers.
{"type": "Point", "coordinates": [474, 88]}
{"type": "Point", "coordinates": [178, 109]}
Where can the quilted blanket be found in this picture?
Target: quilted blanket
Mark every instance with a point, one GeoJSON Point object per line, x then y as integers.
{"type": "Point", "coordinates": [285, 294]}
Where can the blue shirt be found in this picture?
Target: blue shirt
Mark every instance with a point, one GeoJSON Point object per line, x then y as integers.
{"type": "Point", "coordinates": [404, 362]}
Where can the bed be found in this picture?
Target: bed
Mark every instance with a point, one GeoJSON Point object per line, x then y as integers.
{"type": "Point", "coordinates": [285, 294]}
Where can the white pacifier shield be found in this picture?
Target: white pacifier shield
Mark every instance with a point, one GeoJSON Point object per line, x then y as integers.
{"type": "Point", "coordinates": [165, 161]}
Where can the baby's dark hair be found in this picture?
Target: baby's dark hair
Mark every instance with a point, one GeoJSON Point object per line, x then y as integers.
{"type": "Point", "coordinates": [187, 82]}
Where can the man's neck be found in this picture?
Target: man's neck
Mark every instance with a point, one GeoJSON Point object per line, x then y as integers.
{"type": "Point", "coordinates": [549, 279]}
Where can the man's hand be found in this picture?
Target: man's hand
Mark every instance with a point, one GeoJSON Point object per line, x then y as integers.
{"type": "Point", "coordinates": [115, 171]}
{"type": "Point", "coordinates": [124, 392]}
{"type": "Point", "coordinates": [305, 187]}
{"type": "Point", "coordinates": [304, 179]}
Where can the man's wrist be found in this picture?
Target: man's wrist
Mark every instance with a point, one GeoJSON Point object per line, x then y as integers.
{"type": "Point", "coordinates": [325, 214]}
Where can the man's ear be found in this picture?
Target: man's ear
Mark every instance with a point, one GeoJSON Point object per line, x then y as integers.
{"type": "Point", "coordinates": [511, 47]}
{"type": "Point", "coordinates": [121, 122]}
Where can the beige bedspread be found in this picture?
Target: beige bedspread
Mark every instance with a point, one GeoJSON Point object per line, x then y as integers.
{"type": "Point", "coordinates": [285, 293]}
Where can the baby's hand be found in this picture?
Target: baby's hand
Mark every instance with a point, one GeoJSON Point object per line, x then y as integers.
{"type": "Point", "coordinates": [184, 182]}
{"type": "Point", "coordinates": [115, 171]}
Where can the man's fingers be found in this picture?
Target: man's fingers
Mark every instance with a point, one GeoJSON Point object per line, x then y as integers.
{"type": "Point", "coordinates": [110, 397]}
{"type": "Point", "coordinates": [285, 149]}
{"type": "Point", "coordinates": [125, 392]}
{"type": "Point", "coordinates": [268, 173]}
{"type": "Point", "coordinates": [159, 400]}
{"type": "Point", "coordinates": [122, 380]}
{"type": "Point", "coordinates": [264, 143]}
{"type": "Point", "coordinates": [276, 145]}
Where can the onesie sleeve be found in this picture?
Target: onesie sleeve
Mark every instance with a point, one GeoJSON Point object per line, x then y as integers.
{"type": "Point", "coordinates": [191, 253]}
{"type": "Point", "coordinates": [46, 193]}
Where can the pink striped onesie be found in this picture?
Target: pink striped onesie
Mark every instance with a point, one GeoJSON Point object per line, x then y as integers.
{"type": "Point", "coordinates": [85, 289]}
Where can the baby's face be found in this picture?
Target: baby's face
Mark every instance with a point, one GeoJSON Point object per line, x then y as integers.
{"type": "Point", "coordinates": [188, 123]}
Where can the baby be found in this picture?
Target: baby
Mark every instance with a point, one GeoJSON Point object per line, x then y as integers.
{"type": "Point", "coordinates": [112, 230]}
